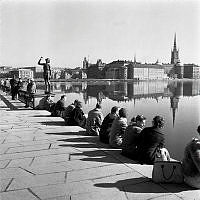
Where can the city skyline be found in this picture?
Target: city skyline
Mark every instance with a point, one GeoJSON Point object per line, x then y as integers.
{"type": "Point", "coordinates": [67, 31]}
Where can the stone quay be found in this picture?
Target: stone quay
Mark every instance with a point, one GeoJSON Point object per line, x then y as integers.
{"type": "Point", "coordinates": [42, 159]}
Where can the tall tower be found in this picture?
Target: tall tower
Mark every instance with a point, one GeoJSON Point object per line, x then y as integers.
{"type": "Point", "coordinates": [175, 53]}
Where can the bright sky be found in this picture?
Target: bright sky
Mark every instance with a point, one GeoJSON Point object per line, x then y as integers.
{"type": "Point", "coordinates": [66, 31]}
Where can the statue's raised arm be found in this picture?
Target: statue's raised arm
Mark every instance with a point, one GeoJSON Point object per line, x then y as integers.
{"type": "Point", "coordinates": [39, 62]}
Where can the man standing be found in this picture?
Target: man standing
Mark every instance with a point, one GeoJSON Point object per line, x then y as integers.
{"type": "Point", "coordinates": [13, 84]}
{"type": "Point", "coordinates": [31, 90]}
{"type": "Point", "coordinates": [46, 73]}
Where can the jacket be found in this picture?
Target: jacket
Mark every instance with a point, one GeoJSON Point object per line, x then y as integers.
{"type": "Point", "coordinates": [94, 121]}
{"type": "Point", "coordinates": [191, 163]}
{"type": "Point", "coordinates": [59, 108]}
{"type": "Point", "coordinates": [130, 139]}
{"type": "Point", "coordinates": [106, 127]}
{"type": "Point", "coordinates": [149, 140]}
{"type": "Point", "coordinates": [117, 130]}
{"type": "Point", "coordinates": [77, 117]}
{"type": "Point", "coordinates": [31, 88]}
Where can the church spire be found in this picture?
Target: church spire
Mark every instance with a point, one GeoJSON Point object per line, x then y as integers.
{"type": "Point", "coordinates": [175, 41]}
{"type": "Point", "coordinates": [134, 58]}
{"type": "Point", "coordinates": [175, 53]}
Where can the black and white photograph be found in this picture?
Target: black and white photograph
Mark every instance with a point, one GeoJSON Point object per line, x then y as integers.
{"type": "Point", "coordinates": [99, 100]}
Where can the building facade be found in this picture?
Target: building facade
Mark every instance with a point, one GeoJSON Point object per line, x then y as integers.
{"type": "Point", "coordinates": [139, 71]}
{"type": "Point", "coordinates": [22, 73]}
{"type": "Point", "coordinates": [191, 71]}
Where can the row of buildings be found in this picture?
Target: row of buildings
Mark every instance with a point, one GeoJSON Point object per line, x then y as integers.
{"type": "Point", "coordinates": [120, 69]}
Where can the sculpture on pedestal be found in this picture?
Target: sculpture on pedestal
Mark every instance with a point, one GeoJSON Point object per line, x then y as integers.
{"type": "Point", "coordinates": [46, 73]}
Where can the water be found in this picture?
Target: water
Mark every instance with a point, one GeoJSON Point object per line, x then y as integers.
{"type": "Point", "coordinates": [177, 101]}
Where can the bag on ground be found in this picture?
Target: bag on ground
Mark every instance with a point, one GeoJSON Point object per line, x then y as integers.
{"type": "Point", "coordinates": [167, 172]}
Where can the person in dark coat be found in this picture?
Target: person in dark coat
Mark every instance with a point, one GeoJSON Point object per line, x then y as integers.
{"type": "Point", "coordinates": [191, 162]}
{"type": "Point", "coordinates": [13, 84]}
{"type": "Point", "coordinates": [77, 117]}
{"type": "Point", "coordinates": [45, 103]}
{"type": "Point", "coordinates": [59, 107]}
{"type": "Point", "coordinates": [131, 135]}
{"type": "Point", "coordinates": [107, 123]}
{"type": "Point", "coordinates": [150, 139]}
{"type": "Point", "coordinates": [68, 111]}
{"type": "Point", "coordinates": [19, 86]}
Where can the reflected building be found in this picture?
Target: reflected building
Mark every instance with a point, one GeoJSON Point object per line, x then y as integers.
{"type": "Point", "coordinates": [191, 88]}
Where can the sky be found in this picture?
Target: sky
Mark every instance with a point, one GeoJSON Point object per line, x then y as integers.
{"type": "Point", "coordinates": [66, 31]}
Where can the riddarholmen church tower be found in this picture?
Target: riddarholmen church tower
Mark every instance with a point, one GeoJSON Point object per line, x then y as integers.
{"type": "Point", "coordinates": [175, 54]}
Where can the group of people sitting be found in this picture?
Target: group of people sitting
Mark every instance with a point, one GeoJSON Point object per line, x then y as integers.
{"type": "Point", "coordinates": [137, 142]}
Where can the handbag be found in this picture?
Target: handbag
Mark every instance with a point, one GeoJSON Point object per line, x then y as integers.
{"type": "Point", "coordinates": [167, 172]}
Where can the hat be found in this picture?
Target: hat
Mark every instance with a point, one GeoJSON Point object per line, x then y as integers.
{"type": "Point", "coordinates": [140, 118]}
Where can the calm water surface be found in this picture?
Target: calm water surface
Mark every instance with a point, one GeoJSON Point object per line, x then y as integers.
{"type": "Point", "coordinates": [177, 101]}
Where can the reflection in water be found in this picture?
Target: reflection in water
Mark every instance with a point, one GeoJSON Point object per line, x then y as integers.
{"type": "Point", "coordinates": [128, 91]}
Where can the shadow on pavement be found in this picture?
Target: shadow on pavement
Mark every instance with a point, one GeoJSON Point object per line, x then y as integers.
{"type": "Point", "coordinates": [143, 185]}
{"type": "Point", "coordinates": [54, 123]}
{"type": "Point", "coordinates": [106, 154]}
{"type": "Point", "coordinates": [67, 133]}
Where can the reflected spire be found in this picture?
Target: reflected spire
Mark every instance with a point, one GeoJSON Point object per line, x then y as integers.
{"type": "Point", "coordinates": [174, 105]}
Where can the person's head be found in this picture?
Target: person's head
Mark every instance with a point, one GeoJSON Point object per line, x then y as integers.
{"type": "Point", "coordinates": [158, 122]}
{"type": "Point", "coordinates": [122, 112]}
{"type": "Point", "coordinates": [198, 129]}
{"type": "Point", "coordinates": [63, 97]}
{"type": "Point", "coordinates": [48, 96]}
{"type": "Point", "coordinates": [98, 106]}
{"type": "Point", "coordinates": [75, 102]}
{"type": "Point", "coordinates": [47, 60]}
{"type": "Point", "coordinates": [115, 110]}
{"type": "Point", "coordinates": [140, 120]}
{"type": "Point", "coordinates": [79, 104]}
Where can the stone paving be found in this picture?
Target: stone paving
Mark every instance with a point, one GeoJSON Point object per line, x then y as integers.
{"type": "Point", "coordinates": [41, 159]}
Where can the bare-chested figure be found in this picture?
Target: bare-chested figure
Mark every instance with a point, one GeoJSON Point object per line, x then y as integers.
{"type": "Point", "coordinates": [46, 73]}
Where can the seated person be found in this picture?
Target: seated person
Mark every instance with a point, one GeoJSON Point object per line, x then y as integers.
{"type": "Point", "coordinates": [45, 103]}
{"type": "Point", "coordinates": [150, 141]}
{"type": "Point", "coordinates": [117, 129]}
{"type": "Point", "coordinates": [191, 162]}
{"type": "Point", "coordinates": [106, 125]}
{"type": "Point", "coordinates": [77, 117]}
{"type": "Point", "coordinates": [94, 121]}
{"type": "Point", "coordinates": [130, 137]}
{"type": "Point", "coordinates": [59, 107]}
{"type": "Point", "coordinates": [68, 111]}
